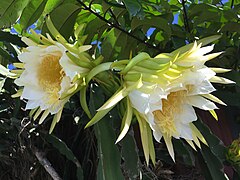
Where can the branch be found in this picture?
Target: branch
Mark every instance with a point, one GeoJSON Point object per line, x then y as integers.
{"type": "Point", "coordinates": [232, 4]}
{"type": "Point", "coordinates": [117, 27]}
{"type": "Point", "coordinates": [185, 17]}
{"type": "Point", "coordinates": [46, 164]}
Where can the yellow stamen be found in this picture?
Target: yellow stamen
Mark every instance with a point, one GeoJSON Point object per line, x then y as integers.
{"type": "Point", "coordinates": [170, 107]}
{"type": "Point", "coordinates": [50, 74]}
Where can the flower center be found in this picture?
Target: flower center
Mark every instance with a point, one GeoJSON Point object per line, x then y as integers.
{"type": "Point", "coordinates": [170, 108]}
{"type": "Point", "coordinates": [50, 74]}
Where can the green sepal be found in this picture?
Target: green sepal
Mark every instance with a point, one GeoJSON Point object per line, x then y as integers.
{"type": "Point", "coordinates": [126, 121]}
{"type": "Point", "coordinates": [204, 41]}
{"type": "Point", "coordinates": [78, 61]}
{"type": "Point", "coordinates": [98, 116]}
{"type": "Point", "coordinates": [96, 70]}
{"type": "Point", "coordinates": [54, 31]}
{"type": "Point", "coordinates": [56, 119]}
{"type": "Point", "coordinates": [98, 61]}
{"type": "Point", "coordinates": [144, 136]}
{"type": "Point", "coordinates": [140, 57]}
{"type": "Point", "coordinates": [83, 102]}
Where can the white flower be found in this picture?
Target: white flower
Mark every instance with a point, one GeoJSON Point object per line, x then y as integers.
{"type": "Point", "coordinates": [47, 77]}
{"type": "Point", "coordinates": [170, 111]}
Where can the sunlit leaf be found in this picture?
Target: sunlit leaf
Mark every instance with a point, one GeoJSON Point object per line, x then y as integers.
{"type": "Point", "coordinates": [10, 10]}
{"type": "Point", "coordinates": [31, 13]}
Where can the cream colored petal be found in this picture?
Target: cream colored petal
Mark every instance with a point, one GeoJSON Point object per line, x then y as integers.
{"type": "Point", "coordinates": [157, 134]}
{"type": "Point", "coordinates": [204, 88]}
{"type": "Point", "coordinates": [185, 131]}
{"type": "Point", "coordinates": [207, 72]}
{"type": "Point", "coordinates": [32, 104]}
{"type": "Point", "coordinates": [200, 102]}
{"type": "Point", "coordinates": [28, 56]}
{"type": "Point", "coordinates": [221, 80]}
{"type": "Point", "coordinates": [32, 93]}
{"type": "Point", "coordinates": [140, 101]}
{"type": "Point", "coordinates": [187, 115]}
{"type": "Point", "coordinates": [84, 48]}
{"type": "Point", "coordinates": [65, 85]}
{"type": "Point", "coordinates": [70, 68]}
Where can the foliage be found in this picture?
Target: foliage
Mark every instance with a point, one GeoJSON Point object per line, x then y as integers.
{"type": "Point", "coordinates": [117, 30]}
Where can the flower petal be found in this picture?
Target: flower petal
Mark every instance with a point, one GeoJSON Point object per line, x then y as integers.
{"type": "Point", "coordinates": [70, 68]}
{"type": "Point", "coordinates": [204, 88]}
{"type": "Point", "coordinates": [32, 93]}
{"type": "Point", "coordinates": [185, 131]}
{"type": "Point", "coordinates": [187, 115]}
{"type": "Point", "coordinates": [202, 103]}
{"type": "Point", "coordinates": [140, 101]}
{"type": "Point", "coordinates": [32, 104]}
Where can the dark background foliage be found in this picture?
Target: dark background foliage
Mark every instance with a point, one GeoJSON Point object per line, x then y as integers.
{"type": "Point", "coordinates": [117, 30]}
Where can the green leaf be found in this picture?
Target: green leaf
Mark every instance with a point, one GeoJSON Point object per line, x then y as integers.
{"type": "Point", "coordinates": [113, 45]}
{"type": "Point", "coordinates": [108, 153]}
{"type": "Point", "coordinates": [109, 156]}
{"type": "Point", "coordinates": [213, 164]}
{"type": "Point", "coordinates": [6, 56]}
{"type": "Point", "coordinates": [11, 38]}
{"type": "Point", "coordinates": [185, 152]}
{"type": "Point", "coordinates": [158, 22]}
{"type": "Point", "coordinates": [64, 150]}
{"type": "Point", "coordinates": [63, 18]}
{"type": "Point", "coordinates": [49, 7]}
{"type": "Point", "coordinates": [130, 156]}
{"type": "Point", "coordinates": [215, 144]}
{"type": "Point", "coordinates": [134, 8]}
{"type": "Point", "coordinates": [214, 155]}
{"type": "Point", "coordinates": [31, 13]}
{"type": "Point", "coordinates": [10, 10]}
{"type": "Point", "coordinates": [231, 27]}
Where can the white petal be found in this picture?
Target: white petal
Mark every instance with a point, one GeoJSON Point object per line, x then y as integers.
{"type": "Point", "coordinates": [204, 88]}
{"type": "Point", "coordinates": [28, 56]}
{"type": "Point", "coordinates": [205, 50]}
{"type": "Point", "coordinates": [65, 84]}
{"type": "Point", "coordinates": [140, 101]}
{"type": "Point", "coordinates": [207, 72]}
{"type": "Point", "coordinates": [32, 104]}
{"type": "Point", "coordinates": [185, 131]}
{"type": "Point", "coordinates": [27, 79]}
{"type": "Point", "coordinates": [157, 135]}
{"type": "Point", "coordinates": [36, 49]}
{"type": "Point", "coordinates": [150, 118]}
{"type": "Point", "coordinates": [187, 115]}
{"type": "Point", "coordinates": [32, 93]}
{"type": "Point", "coordinates": [54, 48]}
{"type": "Point", "coordinates": [200, 102]}
{"type": "Point", "coordinates": [70, 68]}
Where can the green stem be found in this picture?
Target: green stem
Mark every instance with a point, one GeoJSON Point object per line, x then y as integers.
{"type": "Point", "coordinates": [97, 70]}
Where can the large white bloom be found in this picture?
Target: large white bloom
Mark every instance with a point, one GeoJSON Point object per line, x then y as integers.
{"type": "Point", "coordinates": [168, 107]}
{"type": "Point", "coordinates": [47, 77]}
{"type": "Point", "coordinates": [170, 111]}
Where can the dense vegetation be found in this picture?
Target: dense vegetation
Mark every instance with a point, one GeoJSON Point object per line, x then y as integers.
{"type": "Point", "coordinates": [117, 30]}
